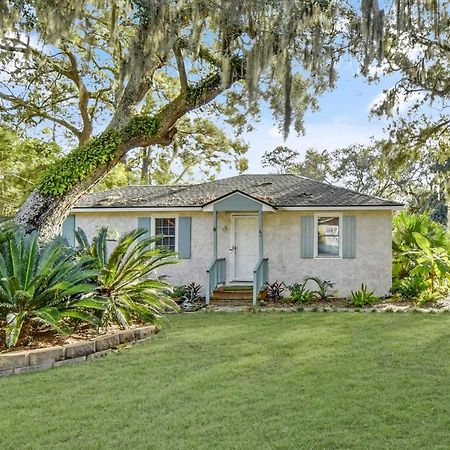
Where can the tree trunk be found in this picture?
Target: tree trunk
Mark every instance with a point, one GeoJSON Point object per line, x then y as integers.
{"type": "Point", "coordinates": [447, 199]}
{"type": "Point", "coordinates": [46, 213]}
{"type": "Point", "coordinates": [145, 176]}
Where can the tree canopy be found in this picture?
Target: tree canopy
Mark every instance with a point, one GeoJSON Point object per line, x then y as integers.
{"type": "Point", "coordinates": [92, 68]}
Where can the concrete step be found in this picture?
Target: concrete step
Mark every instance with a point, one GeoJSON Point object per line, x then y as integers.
{"type": "Point", "coordinates": [236, 295]}
{"type": "Point", "coordinates": [232, 302]}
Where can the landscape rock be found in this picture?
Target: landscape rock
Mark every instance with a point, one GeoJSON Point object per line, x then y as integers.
{"type": "Point", "coordinates": [126, 336]}
{"type": "Point", "coordinates": [79, 349]}
{"type": "Point", "coordinates": [45, 356]}
{"type": "Point", "coordinates": [12, 360]}
{"type": "Point", "coordinates": [106, 342]}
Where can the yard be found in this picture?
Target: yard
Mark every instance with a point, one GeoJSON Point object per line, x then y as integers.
{"type": "Point", "coordinates": [247, 381]}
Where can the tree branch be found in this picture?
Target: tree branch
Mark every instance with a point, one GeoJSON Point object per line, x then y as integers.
{"type": "Point", "coordinates": [40, 113]}
{"type": "Point", "coordinates": [72, 74]}
{"type": "Point", "coordinates": [83, 96]}
{"type": "Point", "coordinates": [181, 67]}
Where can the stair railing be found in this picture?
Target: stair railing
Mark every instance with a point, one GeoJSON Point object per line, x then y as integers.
{"type": "Point", "coordinates": [260, 277]}
{"type": "Point", "coordinates": [215, 276]}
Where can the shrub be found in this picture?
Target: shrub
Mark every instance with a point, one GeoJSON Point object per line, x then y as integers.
{"type": "Point", "coordinates": [178, 292]}
{"type": "Point", "coordinates": [275, 290]}
{"type": "Point", "coordinates": [300, 293]}
{"type": "Point", "coordinates": [362, 297]}
{"type": "Point", "coordinates": [191, 293]}
{"type": "Point", "coordinates": [428, 297]}
{"type": "Point", "coordinates": [421, 256]}
{"type": "Point", "coordinates": [323, 287]}
{"type": "Point", "coordinates": [127, 285]}
{"type": "Point", "coordinates": [41, 284]}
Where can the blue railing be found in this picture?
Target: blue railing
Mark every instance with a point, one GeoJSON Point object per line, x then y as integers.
{"type": "Point", "coordinates": [215, 276]}
{"type": "Point", "coordinates": [260, 277]}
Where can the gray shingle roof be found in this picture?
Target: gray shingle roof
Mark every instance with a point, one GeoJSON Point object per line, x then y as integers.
{"type": "Point", "coordinates": [277, 190]}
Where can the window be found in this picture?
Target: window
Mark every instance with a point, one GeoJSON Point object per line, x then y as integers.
{"type": "Point", "coordinates": [165, 228]}
{"type": "Point", "coordinates": [328, 236]}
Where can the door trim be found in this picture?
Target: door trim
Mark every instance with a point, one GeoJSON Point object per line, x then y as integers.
{"type": "Point", "coordinates": [232, 278]}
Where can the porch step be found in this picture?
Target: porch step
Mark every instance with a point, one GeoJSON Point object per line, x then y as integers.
{"type": "Point", "coordinates": [224, 294]}
{"type": "Point", "coordinates": [233, 296]}
{"type": "Point", "coordinates": [231, 302]}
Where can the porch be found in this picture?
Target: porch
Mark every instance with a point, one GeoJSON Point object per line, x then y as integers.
{"type": "Point", "coordinates": [238, 248]}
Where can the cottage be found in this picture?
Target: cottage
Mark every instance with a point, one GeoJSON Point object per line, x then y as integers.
{"type": "Point", "coordinates": [250, 229]}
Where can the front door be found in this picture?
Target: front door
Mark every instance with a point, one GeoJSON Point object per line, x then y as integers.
{"type": "Point", "coordinates": [244, 247]}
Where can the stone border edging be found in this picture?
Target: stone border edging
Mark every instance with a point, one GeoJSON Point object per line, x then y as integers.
{"type": "Point", "coordinates": [44, 358]}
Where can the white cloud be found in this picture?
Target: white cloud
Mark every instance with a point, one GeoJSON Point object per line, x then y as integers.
{"type": "Point", "coordinates": [403, 101]}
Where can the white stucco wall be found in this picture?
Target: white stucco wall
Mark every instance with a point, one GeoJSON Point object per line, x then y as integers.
{"type": "Point", "coordinates": [187, 270]}
{"type": "Point", "coordinates": [371, 266]}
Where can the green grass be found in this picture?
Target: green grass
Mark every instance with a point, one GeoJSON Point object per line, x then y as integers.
{"type": "Point", "coordinates": [247, 381]}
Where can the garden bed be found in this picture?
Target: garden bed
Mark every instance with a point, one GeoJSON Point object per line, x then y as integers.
{"type": "Point", "coordinates": [345, 303]}
{"type": "Point", "coordinates": [341, 304]}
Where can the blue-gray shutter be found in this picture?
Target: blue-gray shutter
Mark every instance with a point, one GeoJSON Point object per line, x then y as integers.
{"type": "Point", "coordinates": [349, 237]}
{"type": "Point", "coordinates": [146, 224]}
{"type": "Point", "coordinates": [68, 229]}
{"type": "Point", "coordinates": [307, 237]}
{"type": "Point", "coordinates": [184, 237]}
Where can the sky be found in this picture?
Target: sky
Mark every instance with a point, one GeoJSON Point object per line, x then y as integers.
{"type": "Point", "coordinates": [343, 119]}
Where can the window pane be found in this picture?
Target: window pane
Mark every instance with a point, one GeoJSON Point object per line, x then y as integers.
{"type": "Point", "coordinates": [328, 245]}
{"type": "Point", "coordinates": [328, 236]}
{"type": "Point", "coordinates": [166, 228]}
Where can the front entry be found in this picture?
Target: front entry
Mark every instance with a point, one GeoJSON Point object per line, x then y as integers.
{"type": "Point", "coordinates": [244, 247]}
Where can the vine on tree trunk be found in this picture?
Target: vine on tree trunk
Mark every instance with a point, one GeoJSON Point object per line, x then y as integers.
{"type": "Point", "coordinates": [77, 165]}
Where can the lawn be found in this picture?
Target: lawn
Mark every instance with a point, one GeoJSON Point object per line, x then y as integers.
{"type": "Point", "coordinates": [247, 381]}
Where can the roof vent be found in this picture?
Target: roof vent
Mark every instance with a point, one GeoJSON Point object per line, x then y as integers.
{"type": "Point", "coordinates": [267, 183]}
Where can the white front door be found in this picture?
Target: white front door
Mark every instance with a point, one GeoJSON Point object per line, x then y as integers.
{"type": "Point", "coordinates": [245, 247]}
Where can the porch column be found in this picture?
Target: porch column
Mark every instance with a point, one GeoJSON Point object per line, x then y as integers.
{"type": "Point", "coordinates": [260, 234]}
{"type": "Point", "coordinates": [214, 235]}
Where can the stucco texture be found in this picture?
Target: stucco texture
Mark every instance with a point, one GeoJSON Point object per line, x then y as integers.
{"type": "Point", "coordinates": [281, 232]}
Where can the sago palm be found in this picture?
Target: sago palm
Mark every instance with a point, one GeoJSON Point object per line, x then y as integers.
{"type": "Point", "coordinates": [40, 283]}
{"type": "Point", "coordinates": [128, 285]}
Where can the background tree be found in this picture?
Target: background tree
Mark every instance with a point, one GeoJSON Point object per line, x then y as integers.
{"type": "Point", "coordinates": [281, 159]}
{"type": "Point", "coordinates": [315, 164]}
{"type": "Point", "coordinates": [21, 162]}
{"type": "Point", "coordinates": [417, 55]}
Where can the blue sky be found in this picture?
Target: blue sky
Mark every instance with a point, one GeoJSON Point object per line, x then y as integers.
{"type": "Point", "coordinates": [343, 119]}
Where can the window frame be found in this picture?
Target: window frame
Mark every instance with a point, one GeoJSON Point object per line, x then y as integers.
{"type": "Point", "coordinates": [318, 215]}
{"type": "Point", "coordinates": [168, 217]}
